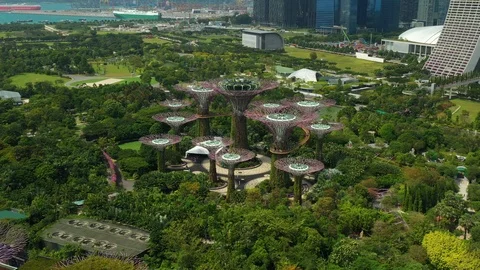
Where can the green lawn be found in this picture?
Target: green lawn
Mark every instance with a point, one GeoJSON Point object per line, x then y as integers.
{"type": "Point", "coordinates": [125, 80]}
{"type": "Point", "coordinates": [155, 40]}
{"type": "Point", "coordinates": [330, 113]}
{"type": "Point", "coordinates": [22, 79]}
{"type": "Point", "coordinates": [343, 62]}
{"type": "Point", "coordinates": [111, 70]}
{"type": "Point", "coordinates": [471, 106]}
{"type": "Point", "coordinates": [131, 145]}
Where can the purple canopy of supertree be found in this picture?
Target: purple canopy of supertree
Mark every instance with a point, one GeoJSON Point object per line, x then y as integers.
{"type": "Point", "coordinates": [322, 128]}
{"type": "Point", "coordinates": [212, 143]}
{"type": "Point", "coordinates": [298, 166]}
{"type": "Point", "coordinates": [175, 105]}
{"type": "Point", "coordinates": [311, 106]}
{"type": "Point", "coordinates": [240, 91]}
{"type": "Point", "coordinates": [281, 123]}
{"type": "Point", "coordinates": [233, 156]}
{"type": "Point", "coordinates": [175, 119]}
{"type": "Point", "coordinates": [201, 94]}
{"type": "Point", "coordinates": [12, 241]}
{"type": "Point", "coordinates": [268, 107]}
{"type": "Point", "coordinates": [160, 141]}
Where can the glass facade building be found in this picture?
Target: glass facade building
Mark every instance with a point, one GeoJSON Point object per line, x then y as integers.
{"type": "Point", "coordinates": [325, 14]}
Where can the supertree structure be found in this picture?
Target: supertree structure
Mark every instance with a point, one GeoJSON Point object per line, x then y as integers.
{"type": "Point", "coordinates": [299, 167]}
{"type": "Point", "coordinates": [203, 96]}
{"type": "Point", "coordinates": [240, 91]}
{"type": "Point", "coordinates": [13, 240]}
{"type": "Point", "coordinates": [281, 125]}
{"type": "Point", "coordinates": [312, 106]}
{"type": "Point", "coordinates": [212, 144]}
{"type": "Point", "coordinates": [160, 142]}
{"type": "Point", "coordinates": [232, 157]}
{"type": "Point", "coordinates": [175, 105]}
{"type": "Point", "coordinates": [268, 107]}
{"type": "Point", "coordinates": [321, 129]}
{"type": "Point", "coordinates": [175, 119]}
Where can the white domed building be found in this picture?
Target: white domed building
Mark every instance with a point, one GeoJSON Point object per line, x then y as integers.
{"type": "Point", "coordinates": [418, 40]}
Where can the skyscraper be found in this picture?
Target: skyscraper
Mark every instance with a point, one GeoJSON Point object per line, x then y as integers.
{"type": "Point", "coordinates": [380, 15]}
{"type": "Point", "coordinates": [261, 11]}
{"type": "Point", "coordinates": [408, 10]}
{"type": "Point", "coordinates": [285, 13]}
{"type": "Point", "coordinates": [325, 14]}
{"type": "Point", "coordinates": [348, 15]}
{"type": "Point", "coordinates": [458, 48]}
{"type": "Point", "coordinates": [432, 12]}
{"type": "Point", "coordinates": [387, 15]}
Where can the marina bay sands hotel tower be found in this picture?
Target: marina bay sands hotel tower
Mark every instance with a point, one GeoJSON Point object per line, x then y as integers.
{"type": "Point", "coordinates": [458, 48]}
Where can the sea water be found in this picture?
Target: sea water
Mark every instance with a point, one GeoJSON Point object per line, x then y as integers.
{"type": "Point", "coordinates": [6, 17]}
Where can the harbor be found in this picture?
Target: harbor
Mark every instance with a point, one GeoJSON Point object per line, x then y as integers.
{"type": "Point", "coordinates": [78, 13]}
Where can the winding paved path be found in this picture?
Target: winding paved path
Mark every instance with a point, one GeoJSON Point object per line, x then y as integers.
{"type": "Point", "coordinates": [248, 179]}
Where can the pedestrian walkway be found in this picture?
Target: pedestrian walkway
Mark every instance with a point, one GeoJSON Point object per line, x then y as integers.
{"type": "Point", "coordinates": [246, 178]}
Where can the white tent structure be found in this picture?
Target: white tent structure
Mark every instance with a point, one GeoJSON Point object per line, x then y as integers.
{"type": "Point", "coordinates": [197, 150]}
{"type": "Point", "coordinates": [304, 74]}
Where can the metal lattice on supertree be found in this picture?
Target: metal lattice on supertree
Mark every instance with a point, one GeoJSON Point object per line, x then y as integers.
{"type": "Point", "coordinates": [321, 129]}
{"type": "Point", "coordinates": [13, 240]}
{"type": "Point", "coordinates": [231, 157]}
{"type": "Point", "coordinates": [160, 142]}
{"type": "Point", "coordinates": [312, 106]}
{"type": "Point", "coordinates": [240, 91]}
{"type": "Point", "coordinates": [281, 125]}
{"type": "Point", "coordinates": [175, 105]}
{"type": "Point", "coordinates": [175, 119]}
{"type": "Point", "coordinates": [268, 107]}
{"type": "Point", "coordinates": [203, 96]}
{"type": "Point", "coordinates": [299, 167]}
{"type": "Point", "coordinates": [212, 144]}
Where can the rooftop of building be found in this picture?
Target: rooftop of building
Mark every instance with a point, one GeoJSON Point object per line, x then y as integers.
{"type": "Point", "coordinates": [258, 32]}
{"type": "Point", "coordinates": [424, 35]}
{"type": "Point", "coordinates": [102, 236]}
{"type": "Point", "coordinates": [9, 94]}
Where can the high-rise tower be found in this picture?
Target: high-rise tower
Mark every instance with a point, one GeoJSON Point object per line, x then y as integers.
{"type": "Point", "coordinates": [458, 48]}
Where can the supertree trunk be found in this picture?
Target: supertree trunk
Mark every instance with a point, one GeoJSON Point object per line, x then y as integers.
{"type": "Point", "coordinates": [203, 127]}
{"type": "Point", "coordinates": [231, 182]}
{"type": "Point", "coordinates": [239, 131]}
{"type": "Point", "coordinates": [319, 149]}
{"type": "Point", "coordinates": [161, 160]}
{"type": "Point", "coordinates": [297, 189]}
{"type": "Point", "coordinates": [278, 177]}
{"type": "Point", "coordinates": [213, 171]}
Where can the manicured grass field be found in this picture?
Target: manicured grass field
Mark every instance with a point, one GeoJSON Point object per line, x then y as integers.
{"type": "Point", "coordinates": [125, 80]}
{"type": "Point", "coordinates": [343, 62]}
{"type": "Point", "coordinates": [111, 70]}
{"type": "Point", "coordinates": [131, 145]}
{"type": "Point", "coordinates": [22, 79]}
{"type": "Point", "coordinates": [155, 40]}
{"type": "Point", "coordinates": [330, 113]}
{"type": "Point", "coordinates": [471, 106]}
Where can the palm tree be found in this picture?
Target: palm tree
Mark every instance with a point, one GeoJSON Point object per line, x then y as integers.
{"type": "Point", "coordinates": [467, 222]}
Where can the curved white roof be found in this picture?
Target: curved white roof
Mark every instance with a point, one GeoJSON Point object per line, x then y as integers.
{"type": "Point", "coordinates": [426, 35]}
{"type": "Point", "coordinates": [304, 74]}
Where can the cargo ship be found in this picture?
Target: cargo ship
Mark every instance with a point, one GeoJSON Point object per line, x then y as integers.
{"type": "Point", "coordinates": [19, 7]}
{"type": "Point", "coordinates": [136, 15]}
